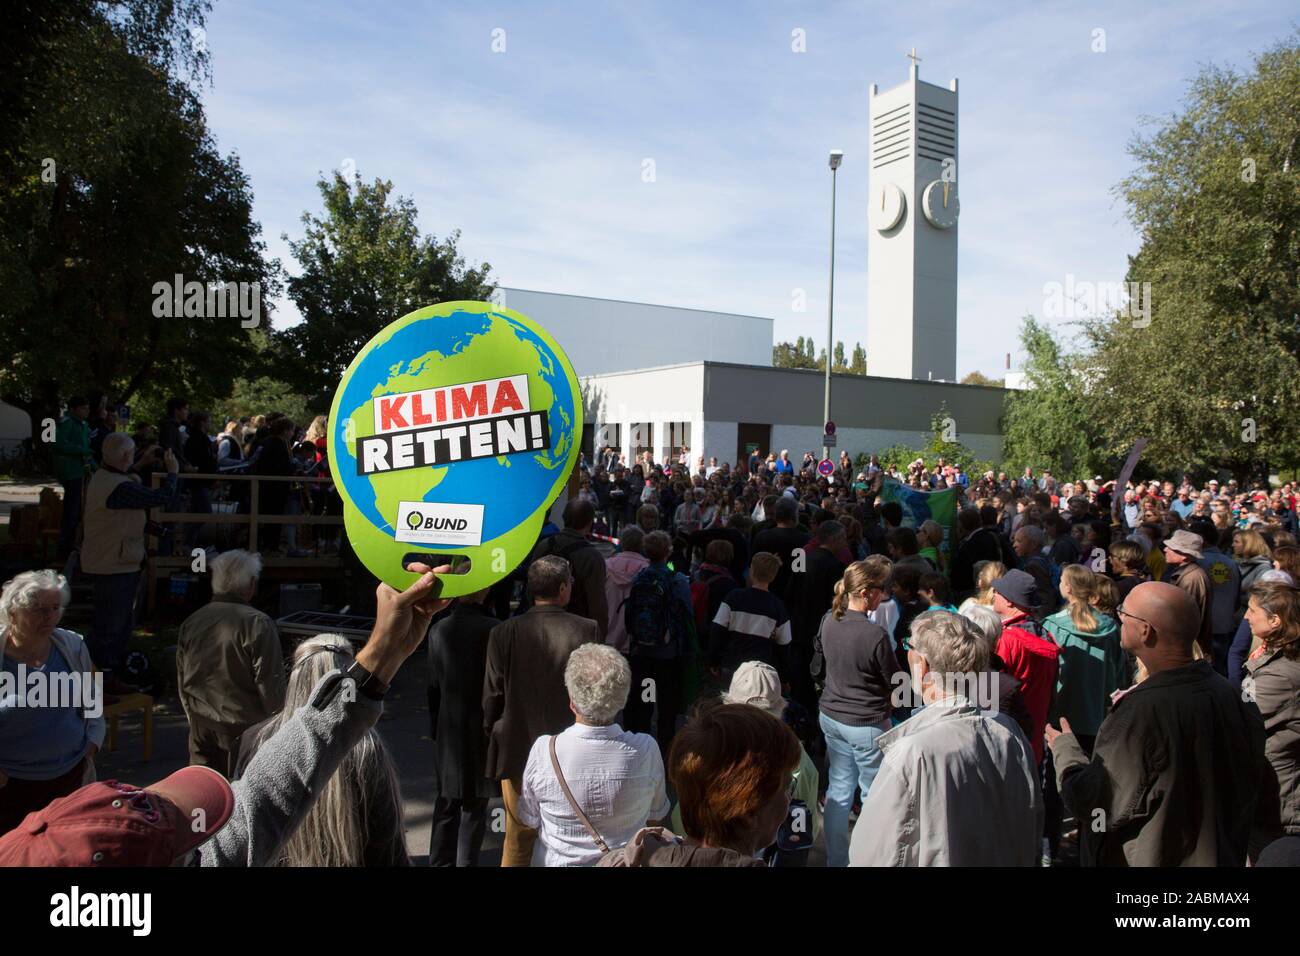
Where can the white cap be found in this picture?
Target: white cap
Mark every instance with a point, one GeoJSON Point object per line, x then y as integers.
{"type": "Point", "coordinates": [758, 684]}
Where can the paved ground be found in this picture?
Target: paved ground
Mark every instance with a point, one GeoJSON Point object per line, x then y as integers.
{"type": "Point", "coordinates": [404, 727]}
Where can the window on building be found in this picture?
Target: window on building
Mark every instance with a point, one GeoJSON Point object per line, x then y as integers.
{"type": "Point", "coordinates": [608, 435]}
{"type": "Point", "coordinates": [642, 438]}
{"type": "Point", "coordinates": [678, 437]}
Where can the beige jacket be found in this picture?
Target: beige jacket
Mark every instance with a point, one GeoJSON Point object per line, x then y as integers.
{"type": "Point", "coordinates": [114, 539]}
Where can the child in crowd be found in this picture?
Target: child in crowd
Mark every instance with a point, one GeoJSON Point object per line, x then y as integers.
{"type": "Point", "coordinates": [751, 623]}
{"type": "Point", "coordinates": [930, 538]}
{"type": "Point", "coordinates": [1105, 596]}
{"type": "Point", "coordinates": [935, 591]}
{"type": "Point", "coordinates": [1128, 567]}
{"type": "Point", "coordinates": [907, 579]}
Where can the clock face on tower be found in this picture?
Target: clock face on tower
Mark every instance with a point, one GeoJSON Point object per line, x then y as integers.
{"type": "Point", "coordinates": [887, 206]}
{"type": "Point", "coordinates": [940, 205]}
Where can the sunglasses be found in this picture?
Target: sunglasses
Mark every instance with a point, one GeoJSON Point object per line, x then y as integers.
{"type": "Point", "coordinates": [1123, 613]}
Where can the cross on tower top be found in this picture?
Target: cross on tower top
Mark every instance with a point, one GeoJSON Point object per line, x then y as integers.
{"type": "Point", "coordinates": [913, 57]}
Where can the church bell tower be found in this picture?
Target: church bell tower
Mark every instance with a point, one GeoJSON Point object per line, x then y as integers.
{"type": "Point", "coordinates": [912, 249]}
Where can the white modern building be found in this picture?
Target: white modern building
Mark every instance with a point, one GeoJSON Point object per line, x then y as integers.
{"type": "Point", "coordinates": [608, 335]}
{"type": "Point", "coordinates": [725, 410]}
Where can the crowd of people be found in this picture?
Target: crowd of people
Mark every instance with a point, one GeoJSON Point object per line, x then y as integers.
{"type": "Point", "coordinates": [769, 657]}
{"type": "Point", "coordinates": [271, 446]}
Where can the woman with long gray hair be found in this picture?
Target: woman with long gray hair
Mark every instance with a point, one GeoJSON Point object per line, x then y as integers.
{"type": "Point", "coordinates": [358, 819]}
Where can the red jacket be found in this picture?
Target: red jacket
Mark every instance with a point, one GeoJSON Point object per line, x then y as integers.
{"type": "Point", "coordinates": [1031, 658]}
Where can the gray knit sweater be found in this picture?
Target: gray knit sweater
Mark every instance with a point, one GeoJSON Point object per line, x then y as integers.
{"type": "Point", "coordinates": [289, 771]}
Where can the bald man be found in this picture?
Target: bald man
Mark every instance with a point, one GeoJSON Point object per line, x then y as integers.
{"type": "Point", "coordinates": [1178, 762]}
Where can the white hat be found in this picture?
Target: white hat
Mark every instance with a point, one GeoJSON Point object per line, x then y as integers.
{"type": "Point", "coordinates": [758, 684]}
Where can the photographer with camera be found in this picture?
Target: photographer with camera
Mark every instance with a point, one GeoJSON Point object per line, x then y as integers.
{"type": "Point", "coordinates": [113, 550]}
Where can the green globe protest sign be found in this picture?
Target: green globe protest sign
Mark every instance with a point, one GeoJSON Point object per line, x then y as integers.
{"type": "Point", "coordinates": [451, 433]}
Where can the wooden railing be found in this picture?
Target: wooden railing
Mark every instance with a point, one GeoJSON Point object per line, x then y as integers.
{"type": "Point", "coordinates": [159, 566]}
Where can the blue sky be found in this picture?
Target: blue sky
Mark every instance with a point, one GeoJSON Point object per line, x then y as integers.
{"type": "Point", "coordinates": [536, 153]}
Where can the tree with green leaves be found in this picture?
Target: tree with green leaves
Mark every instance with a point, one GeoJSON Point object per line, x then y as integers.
{"type": "Point", "coordinates": [113, 184]}
{"type": "Point", "coordinates": [787, 355]}
{"type": "Point", "coordinates": [859, 364]}
{"type": "Point", "coordinates": [1213, 378]}
{"type": "Point", "coordinates": [363, 265]}
{"type": "Point", "coordinates": [941, 442]}
{"type": "Point", "coordinates": [800, 354]}
{"type": "Point", "coordinates": [1052, 423]}
{"type": "Point", "coordinates": [979, 378]}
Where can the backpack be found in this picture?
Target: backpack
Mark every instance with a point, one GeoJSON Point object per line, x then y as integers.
{"type": "Point", "coordinates": [700, 603]}
{"type": "Point", "coordinates": [651, 613]}
{"type": "Point", "coordinates": [700, 599]}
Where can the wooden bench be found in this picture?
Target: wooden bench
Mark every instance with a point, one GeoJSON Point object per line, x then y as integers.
{"type": "Point", "coordinates": [125, 705]}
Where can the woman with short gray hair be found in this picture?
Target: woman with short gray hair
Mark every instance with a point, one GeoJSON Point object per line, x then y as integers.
{"type": "Point", "coordinates": [51, 704]}
{"type": "Point", "coordinates": [959, 783]}
{"type": "Point", "coordinates": [1009, 700]}
{"type": "Point", "coordinates": [591, 788]}
{"type": "Point", "coordinates": [983, 617]}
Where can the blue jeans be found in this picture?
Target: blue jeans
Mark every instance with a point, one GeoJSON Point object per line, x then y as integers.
{"type": "Point", "coordinates": [854, 760]}
{"type": "Point", "coordinates": [114, 618]}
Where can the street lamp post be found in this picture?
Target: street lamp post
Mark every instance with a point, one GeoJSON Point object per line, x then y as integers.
{"type": "Point", "coordinates": [836, 157]}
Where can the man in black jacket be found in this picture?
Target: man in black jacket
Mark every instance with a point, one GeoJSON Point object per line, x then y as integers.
{"type": "Point", "coordinates": [202, 456]}
{"type": "Point", "coordinates": [273, 496]}
{"type": "Point", "coordinates": [978, 543]}
{"type": "Point", "coordinates": [457, 661]}
{"type": "Point", "coordinates": [1178, 764]}
{"type": "Point", "coordinates": [588, 565]}
{"type": "Point", "coordinates": [811, 589]}
{"type": "Point", "coordinates": [783, 540]}
{"type": "Point", "coordinates": [169, 429]}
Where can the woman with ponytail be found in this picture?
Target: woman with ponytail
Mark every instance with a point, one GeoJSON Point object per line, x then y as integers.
{"type": "Point", "coordinates": [1273, 682]}
{"type": "Point", "coordinates": [1092, 666]}
{"type": "Point", "coordinates": [856, 661]}
{"type": "Point", "coordinates": [1092, 663]}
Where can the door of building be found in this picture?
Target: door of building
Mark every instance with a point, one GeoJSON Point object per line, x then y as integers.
{"type": "Point", "coordinates": [752, 437]}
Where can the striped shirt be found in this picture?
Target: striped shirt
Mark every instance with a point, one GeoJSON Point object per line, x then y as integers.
{"type": "Point", "coordinates": [132, 495]}
{"type": "Point", "coordinates": [751, 625]}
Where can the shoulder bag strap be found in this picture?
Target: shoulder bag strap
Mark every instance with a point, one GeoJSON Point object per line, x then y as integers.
{"type": "Point", "coordinates": [568, 795]}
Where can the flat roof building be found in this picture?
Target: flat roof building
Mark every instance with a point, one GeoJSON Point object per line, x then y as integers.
{"type": "Point", "coordinates": [720, 409]}
{"type": "Point", "coordinates": [609, 335]}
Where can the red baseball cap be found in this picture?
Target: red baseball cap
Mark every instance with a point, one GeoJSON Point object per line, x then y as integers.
{"type": "Point", "coordinates": [117, 824]}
